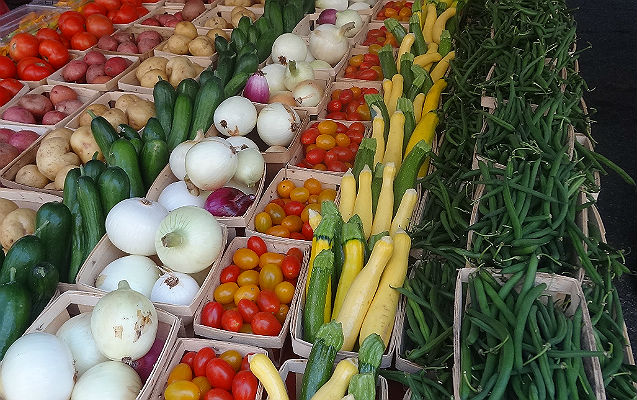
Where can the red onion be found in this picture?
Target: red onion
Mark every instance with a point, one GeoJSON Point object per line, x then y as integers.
{"type": "Point", "coordinates": [144, 366]}
{"type": "Point", "coordinates": [257, 89]}
{"type": "Point", "coordinates": [228, 202]}
{"type": "Point", "coordinates": [327, 16]}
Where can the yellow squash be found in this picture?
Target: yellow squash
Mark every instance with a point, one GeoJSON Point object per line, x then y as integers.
{"type": "Point", "coordinates": [387, 86]}
{"type": "Point", "coordinates": [441, 68]}
{"type": "Point", "coordinates": [405, 47]}
{"type": "Point", "coordinates": [433, 96]}
{"type": "Point", "coordinates": [425, 130]}
{"type": "Point", "coordinates": [337, 385]}
{"type": "Point", "coordinates": [441, 22]}
{"type": "Point", "coordinates": [426, 59]}
{"type": "Point", "coordinates": [267, 374]}
{"type": "Point", "coordinates": [385, 208]}
{"type": "Point", "coordinates": [394, 145]}
{"type": "Point", "coordinates": [348, 196]}
{"type": "Point", "coordinates": [419, 100]}
{"type": "Point", "coordinates": [354, 257]}
{"type": "Point", "coordinates": [396, 92]}
{"type": "Point", "coordinates": [363, 203]}
{"type": "Point", "coordinates": [430, 20]}
{"type": "Point", "coordinates": [404, 212]}
{"type": "Point", "coordinates": [378, 128]}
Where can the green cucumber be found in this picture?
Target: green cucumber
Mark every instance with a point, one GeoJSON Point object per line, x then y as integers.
{"type": "Point", "coordinates": [103, 132]}
{"type": "Point", "coordinates": [123, 155]}
{"type": "Point", "coordinates": [248, 48]}
{"type": "Point", "coordinates": [313, 315]}
{"type": "Point", "coordinates": [264, 45]}
{"type": "Point", "coordinates": [15, 303]}
{"type": "Point", "coordinates": [54, 225]}
{"type": "Point", "coordinates": [225, 67]}
{"type": "Point", "coordinates": [189, 87]}
{"type": "Point", "coordinates": [320, 363]}
{"type": "Point", "coordinates": [238, 39]}
{"type": "Point", "coordinates": [91, 210]}
{"type": "Point", "coordinates": [205, 76]}
{"type": "Point", "coordinates": [21, 257]}
{"type": "Point", "coordinates": [263, 26]}
{"type": "Point", "coordinates": [153, 130]}
{"type": "Point", "coordinates": [221, 44]}
{"type": "Point", "coordinates": [181, 121]}
{"type": "Point", "coordinates": [43, 281]}
{"type": "Point", "coordinates": [206, 102]}
{"type": "Point", "coordinates": [253, 34]}
{"type": "Point", "coordinates": [164, 97]}
{"type": "Point", "coordinates": [154, 158]}
{"type": "Point", "coordinates": [408, 172]}
{"type": "Point", "coordinates": [248, 63]}
{"type": "Point", "coordinates": [77, 230]}
{"type": "Point", "coordinates": [93, 168]}
{"type": "Point", "coordinates": [113, 186]}
{"type": "Point", "coordinates": [292, 14]}
{"type": "Point", "coordinates": [128, 132]}
{"type": "Point", "coordinates": [244, 24]}
{"type": "Point", "coordinates": [137, 144]}
{"type": "Point", "coordinates": [274, 12]}
{"type": "Point", "coordinates": [236, 84]}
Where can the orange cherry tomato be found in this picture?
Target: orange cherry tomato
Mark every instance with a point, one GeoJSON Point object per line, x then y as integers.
{"type": "Point", "coordinates": [284, 188]}
{"type": "Point", "coordinates": [363, 111]}
{"type": "Point", "coordinates": [250, 292]}
{"type": "Point", "coordinates": [327, 195]}
{"type": "Point", "coordinates": [313, 185]}
{"type": "Point", "coordinates": [284, 291]}
{"type": "Point", "coordinates": [375, 48]}
{"type": "Point", "coordinates": [325, 142]}
{"type": "Point", "coordinates": [225, 292]}
{"type": "Point", "coordinates": [246, 328]}
{"type": "Point", "coordinates": [182, 390]}
{"type": "Point", "coordinates": [181, 372]}
{"type": "Point", "coordinates": [249, 277]}
{"type": "Point", "coordinates": [313, 199]}
{"type": "Point", "coordinates": [262, 222]}
{"type": "Point", "coordinates": [282, 313]}
{"type": "Point", "coordinates": [292, 223]}
{"type": "Point", "coordinates": [278, 231]}
{"type": "Point", "coordinates": [245, 258]}
{"type": "Point", "coordinates": [270, 276]}
{"type": "Point", "coordinates": [276, 212]}
{"type": "Point", "coordinates": [300, 194]}
{"type": "Point", "coordinates": [335, 94]}
{"type": "Point", "coordinates": [202, 383]}
{"type": "Point", "coordinates": [342, 139]}
{"type": "Point", "coordinates": [233, 358]}
{"type": "Point", "coordinates": [356, 60]}
{"type": "Point", "coordinates": [271, 258]}
{"type": "Point", "coordinates": [327, 127]}
{"type": "Point", "coordinates": [320, 167]}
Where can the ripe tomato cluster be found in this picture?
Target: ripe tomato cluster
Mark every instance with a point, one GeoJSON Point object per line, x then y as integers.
{"type": "Point", "coordinates": [37, 56]}
{"type": "Point", "coordinates": [118, 11]}
{"type": "Point", "coordinates": [399, 10]}
{"type": "Point", "coordinates": [365, 67]}
{"type": "Point", "coordinates": [288, 216]}
{"type": "Point", "coordinates": [330, 145]}
{"type": "Point", "coordinates": [349, 104]}
{"type": "Point", "coordinates": [9, 87]}
{"type": "Point", "coordinates": [204, 375]}
{"type": "Point", "coordinates": [380, 37]}
{"type": "Point", "coordinates": [255, 291]}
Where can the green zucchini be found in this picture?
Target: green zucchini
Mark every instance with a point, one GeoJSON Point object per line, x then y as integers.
{"type": "Point", "coordinates": [236, 84]}
{"type": "Point", "coordinates": [376, 104]}
{"type": "Point", "coordinates": [445, 43]}
{"type": "Point", "coordinates": [113, 186]}
{"type": "Point", "coordinates": [248, 63]}
{"type": "Point", "coordinates": [420, 46]}
{"type": "Point", "coordinates": [364, 156]}
{"type": "Point", "coordinates": [164, 97]}
{"type": "Point", "coordinates": [123, 155]}
{"type": "Point", "coordinates": [407, 107]}
{"type": "Point", "coordinates": [322, 271]}
{"type": "Point", "coordinates": [387, 63]}
{"type": "Point", "coordinates": [225, 67]}
{"type": "Point", "coordinates": [318, 369]}
{"type": "Point", "coordinates": [408, 172]}
{"type": "Point", "coordinates": [208, 99]}
{"type": "Point", "coordinates": [54, 225]}
{"type": "Point", "coordinates": [370, 355]}
{"type": "Point", "coordinates": [93, 168]}
{"type": "Point", "coordinates": [21, 257]}
{"type": "Point", "coordinates": [154, 158]}
{"type": "Point", "coordinates": [153, 130]}
{"type": "Point", "coordinates": [15, 303]}
{"type": "Point", "coordinates": [406, 61]}
{"type": "Point", "coordinates": [181, 121]}
{"type": "Point", "coordinates": [371, 242]}
{"type": "Point", "coordinates": [43, 281]}
{"type": "Point", "coordinates": [91, 210]}
{"type": "Point", "coordinates": [189, 87]}
{"type": "Point", "coordinates": [377, 183]}
{"type": "Point", "coordinates": [396, 29]}
{"type": "Point", "coordinates": [77, 230]}
{"type": "Point", "coordinates": [329, 208]}
{"type": "Point", "coordinates": [362, 387]}
{"type": "Point", "coordinates": [103, 132]}
{"type": "Point", "coordinates": [128, 132]}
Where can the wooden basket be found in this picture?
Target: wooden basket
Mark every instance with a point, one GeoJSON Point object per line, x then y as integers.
{"type": "Point", "coordinates": [56, 77]}
{"type": "Point", "coordinates": [86, 96]}
{"type": "Point", "coordinates": [308, 23]}
{"type": "Point", "coordinates": [72, 303]}
{"type": "Point", "coordinates": [183, 345]}
{"type": "Point", "coordinates": [105, 252]}
{"type": "Point", "coordinates": [340, 85]}
{"type": "Point", "coordinates": [557, 286]}
{"type": "Point", "coordinates": [266, 342]}
{"type": "Point", "coordinates": [292, 374]}
{"type": "Point", "coordinates": [135, 30]}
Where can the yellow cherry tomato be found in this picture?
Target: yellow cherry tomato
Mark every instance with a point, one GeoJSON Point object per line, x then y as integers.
{"type": "Point", "coordinates": [284, 188]}
{"type": "Point", "coordinates": [270, 258]}
{"type": "Point", "coordinates": [300, 194]}
{"type": "Point", "coordinates": [203, 384]}
{"type": "Point", "coordinates": [181, 372]}
{"type": "Point", "coordinates": [327, 195]}
{"type": "Point", "coordinates": [270, 276]}
{"type": "Point", "coordinates": [245, 258]}
{"type": "Point", "coordinates": [249, 277]}
{"type": "Point", "coordinates": [225, 292]}
{"type": "Point", "coordinates": [182, 390]}
{"type": "Point", "coordinates": [250, 292]}
{"type": "Point", "coordinates": [284, 292]}
{"type": "Point", "coordinates": [233, 358]}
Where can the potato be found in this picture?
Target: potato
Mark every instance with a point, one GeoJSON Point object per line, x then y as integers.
{"type": "Point", "coordinates": [139, 113]}
{"type": "Point", "coordinates": [177, 44]}
{"type": "Point", "coordinates": [178, 69]}
{"type": "Point", "coordinates": [74, 71]}
{"type": "Point", "coordinates": [53, 117]}
{"type": "Point", "coordinates": [5, 135]}
{"type": "Point", "coordinates": [94, 57]}
{"type": "Point", "coordinates": [98, 109]}
{"type": "Point", "coordinates": [126, 100]}
{"type": "Point", "coordinates": [64, 133]}
{"type": "Point", "coordinates": [30, 175]}
{"type": "Point", "coordinates": [153, 76]}
{"type": "Point", "coordinates": [16, 224]}
{"type": "Point", "coordinates": [123, 37]}
{"type": "Point", "coordinates": [94, 71]}
{"type": "Point", "coordinates": [7, 154]}
{"type": "Point", "coordinates": [69, 106]}
{"type": "Point", "coordinates": [18, 114]}
{"type": "Point", "coordinates": [115, 117]}
{"type": "Point", "coordinates": [61, 93]}
{"type": "Point", "coordinates": [192, 9]}
{"type": "Point", "coordinates": [108, 43]}
{"type": "Point", "coordinates": [149, 35]}
{"type": "Point", "coordinates": [146, 45]}
{"type": "Point", "coordinates": [239, 12]}
{"type": "Point", "coordinates": [36, 104]}
{"type": "Point", "coordinates": [84, 145]}
{"type": "Point", "coordinates": [23, 139]}
{"type": "Point", "coordinates": [61, 176]}
{"type": "Point", "coordinates": [213, 33]}
{"type": "Point", "coordinates": [164, 19]}
{"type": "Point", "coordinates": [53, 154]}
{"type": "Point", "coordinates": [187, 29]}
{"type": "Point", "coordinates": [244, 3]}
{"type": "Point", "coordinates": [50, 186]}
{"type": "Point", "coordinates": [6, 206]}
{"type": "Point", "coordinates": [151, 22]}
{"type": "Point", "coordinates": [217, 23]}
{"type": "Point", "coordinates": [101, 79]}
{"type": "Point", "coordinates": [150, 64]}
{"type": "Point", "coordinates": [116, 65]}
{"type": "Point", "coordinates": [128, 48]}
{"type": "Point", "coordinates": [201, 46]}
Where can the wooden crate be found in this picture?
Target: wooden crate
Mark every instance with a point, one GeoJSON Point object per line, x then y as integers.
{"type": "Point", "coordinates": [340, 85]}
{"type": "Point", "coordinates": [183, 345]}
{"type": "Point", "coordinates": [266, 342]}
{"type": "Point", "coordinates": [72, 303]}
{"type": "Point", "coordinates": [292, 374]}
{"type": "Point", "coordinates": [557, 286]}
{"type": "Point", "coordinates": [56, 77]}
{"type": "Point", "coordinates": [105, 252]}
{"type": "Point", "coordinates": [308, 24]}
{"type": "Point", "coordinates": [135, 30]}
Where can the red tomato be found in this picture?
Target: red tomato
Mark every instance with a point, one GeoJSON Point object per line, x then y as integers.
{"type": "Point", "coordinates": [231, 320]}
{"type": "Point", "coordinates": [245, 364]}
{"type": "Point", "coordinates": [109, 4]}
{"type": "Point", "coordinates": [211, 314]}
{"type": "Point", "coordinates": [291, 266]}
{"type": "Point", "coordinates": [357, 127]}
{"type": "Point", "coordinates": [12, 85]}
{"type": "Point", "coordinates": [370, 91]}
{"type": "Point", "coordinates": [265, 323]}
{"type": "Point", "coordinates": [309, 136]}
{"type": "Point", "coordinates": [72, 25]}
{"type": "Point", "coordinates": [341, 128]}
{"type": "Point", "coordinates": [331, 156]}
{"type": "Point", "coordinates": [351, 107]}
{"type": "Point", "coordinates": [99, 25]}
{"type": "Point", "coordinates": [83, 40]}
{"type": "Point", "coordinates": [23, 45]}
{"type": "Point", "coordinates": [22, 64]}
{"type": "Point", "coordinates": [35, 71]}
{"type": "Point", "coordinates": [371, 58]}
{"type": "Point", "coordinates": [307, 231]}
{"type": "Point", "coordinates": [337, 166]}
{"type": "Point", "coordinates": [68, 14]}
{"type": "Point", "coordinates": [356, 137]}
{"type": "Point", "coordinates": [353, 147]}
{"type": "Point", "coordinates": [344, 153]}
{"type": "Point", "coordinates": [229, 274]}
{"type": "Point", "coordinates": [336, 115]}
{"type": "Point", "coordinates": [244, 386]}
{"type": "Point", "coordinates": [189, 358]}
{"type": "Point", "coordinates": [268, 302]}
{"type": "Point", "coordinates": [54, 52]}
{"type": "Point", "coordinates": [315, 156]}
{"type": "Point", "coordinates": [217, 394]}
{"type": "Point", "coordinates": [7, 68]}
{"type": "Point", "coordinates": [334, 105]}
{"type": "Point", "coordinates": [346, 96]}
{"type": "Point", "coordinates": [47, 33]}
{"type": "Point", "coordinates": [219, 374]}
{"type": "Point", "coordinates": [141, 11]}
{"type": "Point", "coordinates": [297, 236]}
{"type": "Point", "coordinates": [368, 75]}
{"type": "Point", "coordinates": [293, 208]}
{"type": "Point", "coordinates": [257, 245]}
{"type": "Point", "coordinates": [295, 252]}
{"type": "Point", "coordinates": [93, 8]}
{"type": "Point", "coordinates": [279, 202]}
{"type": "Point", "coordinates": [125, 15]}
{"type": "Point", "coordinates": [5, 96]}
{"type": "Point", "coordinates": [248, 309]}
{"type": "Point", "coordinates": [201, 360]}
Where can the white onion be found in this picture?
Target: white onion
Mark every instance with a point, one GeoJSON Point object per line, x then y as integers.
{"type": "Point", "coordinates": [250, 168]}
{"type": "Point", "coordinates": [237, 185]}
{"type": "Point", "coordinates": [177, 195]}
{"type": "Point", "coordinates": [132, 223]}
{"type": "Point", "coordinates": [274, 75]}
{"type": "Point", "coordinates": [328, 42]}
{"type": "Point", "coordinates": [335, 4]}
{"type": "Point", "coordinates": [76, 333]}
{"type": "Point", "coordinates": [320, 64]}
{"type": "Point", "coordinates": [239, 141]}
{"type": "Point", "coordinates": [140, 272]}
{"type": "Point", "coordinates": [177, 160]}
{"type": "Point", "coordinates": [308, 94]}
{"type": "Point", "coordinates": [359, 6]}
{"type": "Point", "coordinates": [188, 240]}
{"type": "Point", "coordinates": [108, 381]}
{"type": "Point", "coordinates": [288, 47]}
{"type": "Point", "coordinates": [235, 116]}
{"type": "Point", "coordinates": [124, 324]}
{"type": "Point", "coordinates": [347, 16]}
{"type": "Point", "coordinates": [38, 366]}
{"type": "Point", "coordinates": [175, 288]}
{"type": "Point", "coordinates": [309, 57]}
{"type": "Point", "coordinates": [297, 72]}
{"type": "Point", "coordinates": [277, 124]}
{"type": "Point", "coordinates": [210, 164]}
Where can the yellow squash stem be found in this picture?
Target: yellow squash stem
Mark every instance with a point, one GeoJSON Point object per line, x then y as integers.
{"type": "Point", "coordinates": [396, 92]}
{"type": "Point", "coordinates": [430, 20]}
{"type": "Point", "coordinates": [337, 385]}
{"type": "Point", "coordinates": [378, 128]}
{"type": "Point", "coordinates": [384, 210]}
{"type": "Point", "coordinates": [427, 58]}
{"type": "Point", "coordinates": [425, 130]}
{"type": "Point", "coordinates": [405, 47]}
{"type": "Point", "coordinates": [363, 203]}
{"type": "Point", "coordinates": [354, 258]}
{"type": "Point", "coordinates": [361, 293]}
{"type": "Point", "coordinates": [433, 96]}
{"type": "Point", "coordinates": [386, 91]}
{"type": "Point", "coordinates": [418, 104]}
{"type": "Point", "coordinates": [382, 312]}
{"type": "Point", "coordinates": [404, 212]}
{"type": "Point", "coordinates": [394, 145]}
{"type": "Point", "coordinates": [268, 375]}
{"type": "Point", "coordinates": [441, 68]}
{"type": "Point", "coordinates": [441, 22]}
{"type": "Point", "coordinates": [314, 218]}
{"type": "Point", "coordinates": [348, 195]}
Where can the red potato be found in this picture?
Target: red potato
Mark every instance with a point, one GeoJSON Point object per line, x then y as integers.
{"type": "Point", "coordinates": [69, 106]}
{"type": "Point", "coordinates": [149, 35]}
{"type": "Point", "coordinates": [7, 154]}
{"type": "Point", "coordinates": [179, 16]}
{"type": "Point", "coordinates": [94, 71]}
{"type": "Point", "coordinates": [61, 93]}
{"type": "Point", "coordinates": [164, 19]}
{"type": "Point", "coordinates": [127, 48]}
{"type": "Point", "coordinates": [145, 45]}
{"type": "Point", "coordinates": [101, 79]}
{"type": "Point", "coordinates": [21, 140]}
{"type": "Point", "coordinates": [53, 117]}
{"type": "Point", "coordinates": [18, 114]}
{"type": "Point", "coordinates": [94, 57]}
{"type": "Point", "coordinates": [75, 71]}
{"type": "Point", "coordinates": [123, 37]}
{"type": "Point", "coordinates": [36, 104]}
{"type": "Point", "coordinates": [151, 22]}
{"type": "Point", "coordinates": [5, 135]}
{"type": "Point", "coordinates": [107, 43]}
{"type": "Point", "coordinates": [115, 66]}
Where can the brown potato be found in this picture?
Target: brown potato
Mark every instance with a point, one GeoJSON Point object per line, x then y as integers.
{"type": "Point", "coordinates": [16, 224]}
{"type": "Point", "coordinates": [187, 29]}
{"type": "Point", "coordinates": [84, 145]}
{"type": "Point", "coordinates": [201, 46]}
{"type": "Point", "coordinates": [6, 206]}
{"type": "Point", "coordinates": [60, 132]}
{"type": "Point", "coordinates": [217, 23]}
{"type": "Point", "coordinates": [53, 154]}
{"type": "Point", "coordinates": [213, 33]}
{"type": "Point", "coordinates": [98, 109]}
{"type": "Point", "coordinates": [61, 177]}
{"type": "Point", "coordinates": [158, 63]}
{"type": "Point", "coordinates": [115, 117]}
{"type": "Point", "coordinates": [126, 100]}
{"type": "Point", "coordinates": [177, 44]}
{"type": "Point", "coordinates": [150, 78]}
{"type": "Point", "coordinates": [139, 113]}
{"type": "Point", "coordinates": [31, 176]}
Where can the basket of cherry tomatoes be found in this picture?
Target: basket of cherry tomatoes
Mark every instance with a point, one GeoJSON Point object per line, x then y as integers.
{"type": "Point", "coordinates": [363, 65]}
{"type": "Point", "coordinates": [378, 36]}
{"type": "Point", "coordinates": [347, 101]}
{"type": "Point", "coordinates": [398, 10]}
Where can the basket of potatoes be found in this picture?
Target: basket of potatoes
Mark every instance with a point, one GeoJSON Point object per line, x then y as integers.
{"type": "Point", "coordinates": [233, 10]}
{"type": "Point", "coordinates": [187, 41]}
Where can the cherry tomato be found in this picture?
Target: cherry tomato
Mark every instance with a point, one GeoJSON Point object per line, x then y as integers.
{"type": "Point", "coordinates": [327, 127]}
{"type": "Point", "coordinates": [292, 223]}
{"type": "Point", "coordinates": [284, 292]}
{"type": "Point", "coordinates": [353, 147]}
{"type": "Point", "coordinates": [295, 252]}
{"type": "Point", "coordinates": [248, 309]}
{"type": "Point", "coordinates": [211, 314]}
{"type": "Point", "coordinates": [327, 195]}
{"type": "Point", "coordinates": [83, 40]}
{"type": "Point", "coordinates": [268, 301]}
{"type": "Point", "coordinates": [201, 360]}
{"type": "Point", "coordinates": [300, 194]}
{"type": "Point", "coordinates": [109, 4]}
{"type": "Point", "coordinates": [336, 115]}
{"type": "Point", "coordinates": [285, 187]}
{"type": "Point", "coordinates": [282, 313]}
{"type": "Point", "coordinates": [278, 231]}
{"type": "Point", "coordinates": [229, 274]}
{"type": "Point", "coordinates": [331, 156]}
{"type": "Point", "coordinates": [320, 167]}
{"type": "Point", "coordinates": [262, 222]}
{"type": "Point", "coordinates": [7, 68]}
{"type": "Point", "coordinates": [315, 156]}
{"type": "Point", "coordinates": [276, 212]}
{"type": "Point", "coordinates": [250, 292]}
{"type": "Point", "coordinates": [269, 276]}
{"type": "Point", "coordinates": [346, 95]}
{"type": "Point", "coordinates": [307, 231]}
{"type": "Point", "coordinates": [325, 141]}
{"type": "Point", "coordinates": [218, 394]}
{"type": "Point", "coordinates": [257, 245]}
{"type": "Point", "coordinates": [372, 58]}
{"type": "Point", "coordinates": [344, 154]}
{"type": "Point", "coordinates": [249, 277]}
{"type": "Point", "coordinates": [99, 25]}
{"type": "Point", "coordinates": [233, 358]}
{"type": "Point", "coordinates": [231, 320]}
{"type": "Point", "coordinates": [182, 390]}
{"type": "Point", "coordinates": [264, 323]}
{"type": "Point", "coordinates": [202, 383]}
{"type": "Point", "coordinates": [291, 267]}
{"type": "Point", "coordinates": [244, 386]}
{"type": "Point", "coordinates": [23, 45]}
{"type": "Point", "coordinates": [245, 364]}
{"type": "Point", "coordinates": [369, 75]}
{"type": "Point", "coordinates": [293, 208]}
{"type": "Point", "coordinates": [271, 258]}
{"type": "Point", "coordinates": [188, 358]}
{"type": "Point", "coordinates": [219, 374]}
{"type": "Point", "coordinates": [297, 236]}
{"type": "Point", "coordinates": [34, 69]}
{"type": "Point", "coordinates": [245, 258]}
{"type": "Point", "coordinates": [225, 292]}
{"type": "Point", "coordinates": [357, 127]}
{"type": "Point", "coordinates": [181, 372]}
{"type": "Point", "coordinates": [309, 136]}
{"type": "Point", "coordinates": [334, 105]}
{"type": "Point", "coordinates": [355, 137]}
{"type": "Point", "coordinates": [363, 112]}
{"type": "Point", "coordinates": [337, 166]}
{"type": "Point", "coordinates": [342, 140]}
{"type": "Point", "coordinates": [354, 116]}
